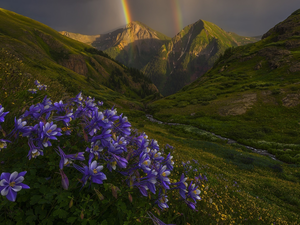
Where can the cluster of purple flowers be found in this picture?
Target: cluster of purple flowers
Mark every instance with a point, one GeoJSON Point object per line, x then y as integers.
{"type": "Point", "coordinates": [110, 143]}
{"type": "Point", "coordinates": [39, 86]}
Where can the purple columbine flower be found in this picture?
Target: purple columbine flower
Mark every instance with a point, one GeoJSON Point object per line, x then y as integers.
{"type": "Point", "coordinates": [66, 160]}
{"type": "Point", "coordinates": [3, 144]}
{"type": "Point", "coordinates": [163, 174]}
{"type": "Point", "coordinates": [20, 127]}
{"type": "Point", "coordinates": [182, 186]}
{"type": "Point", "coordinates": [78, 99]}
{"type": "Point", "coordinates": [10, 184]}
{"type": "Point", "coordinates": [66, 119]}
{"type": "Point", "coordinates": [104, 137]}
{"type": "Point", "coordinates": [111, 114]}
{"type": "Point", "coordinates": [144, 162]}
{"type": "Point", "coordinates": [121, 162]}
{"type": "Point", "coordinates": [150, 181]}
{"type": "Point", "coordinates": [42, 87]}
{"type": "Point", "coordinates": [34, 151]}
{"type": "Point", "coordinates": [169, 146]}
{"type": "Point", "coordinates": [193, 192]}
{"type": "Point", "coordinates": [59, 107]}
{"type": "Point", "coordinates": [2, 114]}
{"type": "Point", "coordinates": [91, 173]}
{"type": "Point", "coordinates": [142, 143]}
{"type": "Point", "coordinates": [156, 156]}
{"type": "Point", "coordinates": [49, 131]}
{"type": "Point", "coordinates": [98, 120]}
{"type": "Point", "coordinates": [162, 201]}
{"type": "Point", "coordinates": [94, 150]}
{"type": "Point", "coordinates": [90, 105]}
{"type": "Point", "coordinates": [123, 125]}
{"type": "Point", "coordinates": [34, 112]}
{"type": "Point", "coordinates": [169, 162]}
{"type": "Point", "coordinates": [32, 91]}
{"type": "Point", "coordinates": [36, 82]}
{"type": "Point", "coordinates": [153, 144]}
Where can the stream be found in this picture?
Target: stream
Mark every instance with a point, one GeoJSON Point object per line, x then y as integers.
{"type": "Point", "coordinates": [229, 141]}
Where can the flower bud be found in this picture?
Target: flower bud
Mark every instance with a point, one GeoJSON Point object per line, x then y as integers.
{"type": "Point", "coordinates": [64, 180]}
{"type": "Point", "coordinates": [100, 196]}
{"type": "Point", "coordinates": [130, 197]}
{"type": "Point", "coordinates": [71, 203]}
{"type": "Point", "coordinates": [81, 215]}
{"type": "Point", "coordinates": [114, 191]}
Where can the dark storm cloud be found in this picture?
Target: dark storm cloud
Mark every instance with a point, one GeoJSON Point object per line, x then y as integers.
{"type": "Point", "coordinates": [244, 17]}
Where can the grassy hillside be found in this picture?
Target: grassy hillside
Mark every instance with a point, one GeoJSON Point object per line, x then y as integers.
{"type": "Point", "coordinates": [31, 50]}
{"type": "Point", "coordinates": [252, 94]}
{"type": "Point", "coordinates": [189, 55]}
{"type": "Point", "coordinates": [241, 187]}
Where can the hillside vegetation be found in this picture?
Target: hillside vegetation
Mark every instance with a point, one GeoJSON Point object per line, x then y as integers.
{"type": "Point", "coordinates": [252, 94]}
{"type": "Point", "coordinates": [31, 50]}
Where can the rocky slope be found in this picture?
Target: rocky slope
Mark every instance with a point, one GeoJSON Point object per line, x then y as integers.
{"type": "Point", "coordinates": [189, 55]}
{"type": "Point", "coordinates": [134, 45]}
{"type": "Point", "coordinates": [169, 63]}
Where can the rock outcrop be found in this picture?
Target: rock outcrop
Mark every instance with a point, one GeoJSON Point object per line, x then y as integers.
{"type": "Point", "coordinates": [75, 63]}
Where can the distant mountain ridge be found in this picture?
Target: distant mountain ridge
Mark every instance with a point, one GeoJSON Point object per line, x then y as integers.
{"type": "Point", "coordinates": [134, 45]}
{"type": "Point", "coordinates": [189, 55]}
{"type": "Point", "coordinates": [169, 63]}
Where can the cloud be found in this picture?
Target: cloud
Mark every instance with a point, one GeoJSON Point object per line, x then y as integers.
{"type": "Point", "coordinates": [247, 18]}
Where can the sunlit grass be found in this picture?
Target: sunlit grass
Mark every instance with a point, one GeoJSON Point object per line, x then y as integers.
{"type": "Point", "coordinates": [233, 195]}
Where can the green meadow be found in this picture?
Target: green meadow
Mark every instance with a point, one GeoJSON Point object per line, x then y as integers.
{"type": "Point", "coordinates": [241, 187]}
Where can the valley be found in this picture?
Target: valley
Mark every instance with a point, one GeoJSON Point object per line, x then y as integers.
{"type": "Point", "coordinates": [227, 105]}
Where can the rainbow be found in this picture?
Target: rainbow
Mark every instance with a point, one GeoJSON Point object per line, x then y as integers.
{"type": "Point", "coordinates": [128, 19]}
{"type": "Point", "coordinates": [177, 15]}
{"type": "Point", "coordinates": [127, 15]}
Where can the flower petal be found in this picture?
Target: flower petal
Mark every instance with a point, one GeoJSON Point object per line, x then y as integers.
{"type": "Point", "coordinates": [11, 196]}
{"type": "Point", "coordinates": [4, 192]}
{"type": "Point", "coordinates": [5, 176]}
{"type": "Point", "coordinates": [24, 186]}
{"type": "Point", "coordinates": [4, 182]}
{"type": "Point", "coordinates": [19, 179]}
{"type": "Point", "coordinates": [13, 176]}
{"type": "Point", "coordinates": [17, 188]}
{"type": "Point", "coordinates": [22, 173]}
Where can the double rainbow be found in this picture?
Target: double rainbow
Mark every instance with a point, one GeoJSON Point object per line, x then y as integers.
{"type": "Point", "coordinates": [175, 8]}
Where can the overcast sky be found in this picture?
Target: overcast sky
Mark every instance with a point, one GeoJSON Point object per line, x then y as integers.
{"type": "Point", "coordinates": [244, 17]}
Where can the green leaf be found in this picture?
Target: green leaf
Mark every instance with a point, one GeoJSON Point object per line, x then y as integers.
{"type": "Point", "coordinates": [104, 222]}
{"type": "Point", "coordinates": [31, 219]}
{"type": "Point", "coordinates": [71, 219]}
{"type": "Point", "coordinates": [60, 213]}
{"type": "Point", "coordinates": [92, 222]}
{"type": "Point", "coordinates": [35, 199]}
{"type": "Point", "coordinates": [48, 221]}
